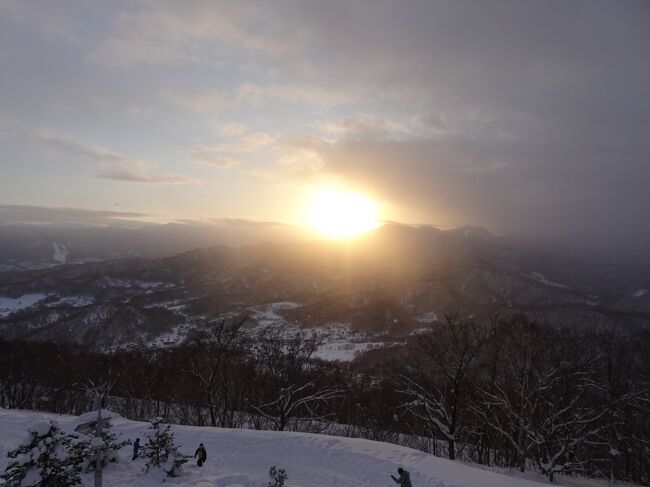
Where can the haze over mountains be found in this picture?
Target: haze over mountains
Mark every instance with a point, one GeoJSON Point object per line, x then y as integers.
{"type": "Point", "coordinates": [34, 237]}
{"type": "Point", "coordinates": [383, 285]}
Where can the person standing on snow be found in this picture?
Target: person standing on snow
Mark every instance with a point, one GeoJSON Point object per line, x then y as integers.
{"type": "Point", "coordinates": [201, 455]}
{"type": "Point", "coordinates": [404, 479]}
{"type": "Point", "coordinates": [136, 448]}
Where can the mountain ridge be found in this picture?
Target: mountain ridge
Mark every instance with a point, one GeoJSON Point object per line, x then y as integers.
{"type": "Point", "coordinates": [390, 281]}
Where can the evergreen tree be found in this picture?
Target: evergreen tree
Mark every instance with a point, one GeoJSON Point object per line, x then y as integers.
{"type": "Point", "coordinates": [160, 450]}
{"type": "Point", "coordinates": [110, 444]}
{"type": "Point", "coordinates": [48, 457]}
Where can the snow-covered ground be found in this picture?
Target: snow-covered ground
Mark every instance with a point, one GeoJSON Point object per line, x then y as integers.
{"type": "Point", "coordinates": [242, 458]}
{"type": "Point", "coordinates": [10, 305]}
{"type": "Point", "coordinates": [538, 276]}
{"type": "Point", "coordinates": [428, 317]}
{"type": "Point", "coordinates": [108, 282]}
{"type": "Point", "coordinates": [338, 340]}
{"type": "Point", "coordinates": [346, 351]}
{"type": "Point", "coordinates": [74, 301]}
{"type": "Point", "coordinates": [269, 314]}
{"type": "Point", "coordinates": [174, 337]}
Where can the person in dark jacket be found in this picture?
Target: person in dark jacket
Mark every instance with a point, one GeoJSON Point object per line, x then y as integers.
{"type": "Point", "coordinates": [404, 479]}
{"type": "Point", "coordinates": [136, 448]}
{"type": "Point", "coordinates": [201, 455]}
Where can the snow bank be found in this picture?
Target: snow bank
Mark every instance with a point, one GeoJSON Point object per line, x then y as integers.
{"type": "Point", "coordinates": [40, 427]}
{"type": "Point", "coordinates": [92, 416]}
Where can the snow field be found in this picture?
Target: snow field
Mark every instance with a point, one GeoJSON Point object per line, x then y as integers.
{"type": "Point", "coordinates": [9, 305]}
{"type": "Point", "coordinates": [243, 458]}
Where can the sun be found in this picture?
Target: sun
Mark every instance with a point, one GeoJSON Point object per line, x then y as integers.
{"type": "Point", "coordinates": [338, 214]}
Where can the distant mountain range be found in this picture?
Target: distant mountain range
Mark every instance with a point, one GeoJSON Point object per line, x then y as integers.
{"type": "Point", "coordinates": [39, 246]}
{"type": "Point", "coordinates": [389, 283]}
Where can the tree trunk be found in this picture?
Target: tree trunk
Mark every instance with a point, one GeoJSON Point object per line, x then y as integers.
{"type": "Point", "coordinates": [98, 450]}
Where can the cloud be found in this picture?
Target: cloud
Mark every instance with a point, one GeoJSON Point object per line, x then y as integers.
{"type": "Point", "coordinates": [470, 125]}
{"type": "Point", "coordinates": [314, 151]}
{"type": "Point", "coordinates": [126, 51]}
{"type": "Point", "coordinates": [517, 116]}
{"type": "Point", "coordinates": [299, 94]}
{"type": "Point", "coordinates": [251, 143]}
{"type": "Point", "coordinates": [260, 173]}
{"type": "Point", "coordinates": [132, 172]}
{"type": "Point", "coordinates": [167, 33]}
{"type": "Point", "coordinates": [23, 214]}
{"type": "Point", "coordinates": [369, 127]}
{"type": "Point", "coordinates": [302, 95]}
{"type": "Point", "coordinates": [60, 25]}
{"type": "Point", "coordinates": [112, 165]}
{"type": "Point", "coordinates": [211, 157]}
{"type": "Point", "coordinates": [302, 152]}
{"type": "Point", "coordinates": [517, 187]}
{"type": "Point", "coordinates": [230, 129]}
{"type": "Point", "coordinates": [199, 102]}
{"type": "Point", "coordinates": [240, 222]}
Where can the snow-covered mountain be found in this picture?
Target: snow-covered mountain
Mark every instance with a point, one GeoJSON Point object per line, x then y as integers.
{"type": "Point", "coordinates": [388, 283]}
{"type": "Point", "coordinates": [242, 458]}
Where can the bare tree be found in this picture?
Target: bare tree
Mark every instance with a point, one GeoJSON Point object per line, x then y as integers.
{"type": "Point", "coordinates": [290, 395]}
{"type": "Point", "coordinates": [540, 403]}
{"type": "Point", "coordinates": [298, 403]}
{"type": "Point", "coordinates": [434, 384]}
{"type": "Point", "coordinates": [212, 362]}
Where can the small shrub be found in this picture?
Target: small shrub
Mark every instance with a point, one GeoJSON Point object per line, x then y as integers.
{"type": "Point", "coordinates": [160, 450]}
{"type": "Point", "coordinates": [277, 477]}
{"type": "Point", "coordinates": [47, 457]}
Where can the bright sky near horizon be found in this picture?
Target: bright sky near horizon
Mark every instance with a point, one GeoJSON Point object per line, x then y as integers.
{"type": "Point", "coordinates": [523, 117]}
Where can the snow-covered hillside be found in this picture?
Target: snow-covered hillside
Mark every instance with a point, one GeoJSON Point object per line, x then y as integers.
{"type": "Point", "coordinates": [243, 457]}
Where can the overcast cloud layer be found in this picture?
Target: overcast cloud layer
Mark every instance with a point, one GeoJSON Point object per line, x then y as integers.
{"type": "Point", "coordinates": [530, 118]}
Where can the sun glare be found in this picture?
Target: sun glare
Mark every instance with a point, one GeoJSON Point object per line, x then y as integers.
{"type": "Point", "coordinates": [339, 214]}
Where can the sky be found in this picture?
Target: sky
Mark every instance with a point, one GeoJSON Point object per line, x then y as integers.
{"type": "Point", "coordinates": [529, 118]}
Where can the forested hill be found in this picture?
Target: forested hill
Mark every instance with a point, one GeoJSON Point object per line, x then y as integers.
{"type": "Point", "coordinates": [391, 282]}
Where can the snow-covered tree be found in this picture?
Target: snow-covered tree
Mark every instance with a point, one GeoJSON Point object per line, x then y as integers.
{"type": "Point", "coordinates": [48, 457]}
{"type": "Point", "coordinates": [98, 392]}
{"type": "Point", "coordinates": [108, 441]}
{"type": "Point", "coordinates": [541, 404]}
{"type": "Point", "coordinates": [278, 477]}
{"type": "Point", "coordinates": [567, 426]}
{"type": "Point", "coordinates": [621, 390]}
{"type": "Point", "coordinates": [160, 451]}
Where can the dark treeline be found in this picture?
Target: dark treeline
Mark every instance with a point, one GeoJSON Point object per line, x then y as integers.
{"type": "Point", "coordinates": [510, 393]}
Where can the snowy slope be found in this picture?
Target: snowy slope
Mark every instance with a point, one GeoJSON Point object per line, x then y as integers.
{"type": "Point", "coordinates": [61, 253]}
{"type": "Point", "coordinates": [10, 305]}
{"type": "Point", "coordinates": [243, 458]}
